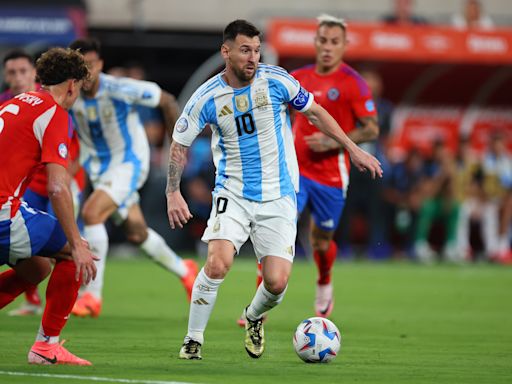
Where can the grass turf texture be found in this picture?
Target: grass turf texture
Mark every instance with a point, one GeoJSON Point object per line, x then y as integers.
{"type": "Point", "coordinates": [400, 323]}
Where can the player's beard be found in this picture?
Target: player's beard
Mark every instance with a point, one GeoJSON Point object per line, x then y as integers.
{"type": "Point", "coordinates": [243, 76]}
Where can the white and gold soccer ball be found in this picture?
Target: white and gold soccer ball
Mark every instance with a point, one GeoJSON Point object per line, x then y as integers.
{"type": "Point", "coordinates": [317, 340]}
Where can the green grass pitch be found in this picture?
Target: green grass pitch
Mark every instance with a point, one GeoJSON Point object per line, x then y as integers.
{"type": "Point", "coordinates": [400, 323]}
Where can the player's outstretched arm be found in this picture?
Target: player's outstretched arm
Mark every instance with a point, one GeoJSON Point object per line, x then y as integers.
{"type": "Point", "coordinates": [62, 203]}
{"type": "Point", "coordinates": [177, 208]}
{"type": "Point", "coordinates": [328, 125]}
{"type": "Point", "coordinates": [368, 130]}
{"type": "Point", "coordinates": [170, 110]}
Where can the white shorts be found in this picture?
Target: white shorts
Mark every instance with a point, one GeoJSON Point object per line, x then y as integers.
{"type": "Point", "coordinates": [271, 225]}
{"type": "Point", "coordinates": [121, 183]}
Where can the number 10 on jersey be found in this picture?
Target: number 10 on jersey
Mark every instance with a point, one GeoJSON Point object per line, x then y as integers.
{"type": "Point", "coordinates": [245, 123]}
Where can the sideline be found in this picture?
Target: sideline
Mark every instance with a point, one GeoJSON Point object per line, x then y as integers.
{"type": "Point", "coordinates": [90, 378]}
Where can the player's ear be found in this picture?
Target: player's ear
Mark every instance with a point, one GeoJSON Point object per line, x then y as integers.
{"type": "Point", "coordinates": [224, 50]}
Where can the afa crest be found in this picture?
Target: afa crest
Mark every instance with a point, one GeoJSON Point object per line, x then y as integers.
{"type": "Point", "coordinates": [242, 103]}
{"type": "Point", "coordinates": [260, 99]}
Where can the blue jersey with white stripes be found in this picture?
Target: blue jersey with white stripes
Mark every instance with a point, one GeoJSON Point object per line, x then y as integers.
{"type": "Point", "coordinates": [109, 126]}
{"type": "Point", "coordinates": [252, 140]}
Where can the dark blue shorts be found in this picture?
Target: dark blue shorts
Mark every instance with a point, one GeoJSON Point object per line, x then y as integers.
{"type": "Point", "coordinates": [29, 233]}
{"type": "Point", "coordinates": [325, 203]}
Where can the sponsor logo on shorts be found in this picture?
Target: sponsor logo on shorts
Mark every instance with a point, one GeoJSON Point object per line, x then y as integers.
{"type": "Point", "coordinates": [182, 125]}
{"type": "Point", "coordinates": [327, 223]}
{"type": "Point", "coordinates": [216, 226]}
{"type": "Point", "coordinates": [63, 150]}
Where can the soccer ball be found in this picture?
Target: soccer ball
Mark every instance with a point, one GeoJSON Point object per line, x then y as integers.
{"type": "Point", "coordinates": [317, 340]}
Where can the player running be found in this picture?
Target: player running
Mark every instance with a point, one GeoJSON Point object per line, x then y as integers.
{"type": "Point", "coordinates": [246, 107]}
{"type": "Point", "coordinates": [324, 165]}
{"type": "Point", "coordinates": [20, 75]}
{"type": "Point", "coordinates": [35, 133]}
{"type": "Point", "coordinates": [115, 154]}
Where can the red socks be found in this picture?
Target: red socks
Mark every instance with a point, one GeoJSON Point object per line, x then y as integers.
{"type": "Point", "coordinates": [32, 295]}
{"type": "Point", "coordinates": [11, 286]}
{"type": "Point", "coordinates": [60, 297]}
{"type": "Point", "coordinates": [324, 263]}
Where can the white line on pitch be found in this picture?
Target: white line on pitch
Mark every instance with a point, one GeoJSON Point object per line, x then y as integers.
{"type": "Point", "coordinates": [90, 378]}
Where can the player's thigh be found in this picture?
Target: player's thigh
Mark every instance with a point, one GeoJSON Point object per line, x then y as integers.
{"type": "Point", "coordinates": [29, 233]}
{"type": "Point", "coordinates": [33, 270]}
{"type": "Point", "coordinates": [230, 219]}
{"type": "Point", "coordinates": [121, 184]}
{"type": "Point", "coordinates": [98, 207]}
{"type": "Point", "coordinates": [326, 205]}
{"type": "Point", "coordinates": [274, 228]}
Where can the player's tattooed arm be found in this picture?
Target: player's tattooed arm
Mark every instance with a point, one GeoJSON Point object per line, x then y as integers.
{"type": "Point", "coordinates": [368, 130]}
{"type": "Point", "coordinates": [177, 161]}
{"type": "Point", "coordinates": [170, 111]}
{"type": "Point", "coordinates": [177, 209]}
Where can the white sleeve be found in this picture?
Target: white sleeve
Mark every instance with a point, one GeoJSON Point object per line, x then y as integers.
{"type": "Point", "coordinates": [192, 120]}
{"type": "Point", "coordinates": [146, 93]}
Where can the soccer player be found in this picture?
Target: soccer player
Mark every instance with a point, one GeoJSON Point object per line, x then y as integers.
{"type": "Point", "coordinates": [34, 133]}
{"type": "Point", "coordinates": [324, 165]}
{"type": "Point", "coordinates": [246, 106]}
{"type": "Point", "coordinates": [20, 76]}
{"type": "Point", "coordinates": [114, 151]}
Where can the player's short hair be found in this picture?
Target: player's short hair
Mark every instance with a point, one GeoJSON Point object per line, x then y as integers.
{"type": "Point", "coordinates": [239, 27]}
{"type": "Point", "coordinates": [60, 64]}
{"type": "Point", "coordinates": [18, 54]}
{"type": "Point", "coordinates": [331, 21]}
{"type": "Point", "coordinates": [86, 45]}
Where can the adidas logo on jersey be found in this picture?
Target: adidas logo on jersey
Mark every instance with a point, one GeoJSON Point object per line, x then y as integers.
{"type": "Point", "coordinates": [225, 111]}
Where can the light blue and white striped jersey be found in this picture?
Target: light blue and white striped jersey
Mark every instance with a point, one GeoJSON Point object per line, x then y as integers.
{"type": "Point", "coordinates": [109, 126]}
{"type": "Point", "coordinates": [252, 141]}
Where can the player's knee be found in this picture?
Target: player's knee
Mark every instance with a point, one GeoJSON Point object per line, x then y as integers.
{"type": "Point", "coordinates": [216, 268]}
{"type": "Point", "coordinates": [137, 236]}
{"type": "Point", "coordinates": [320, 245]}
{"type": "Point", "coordinates": [90, 216]}
{"type": "Point", "coordinates": [277, 284]}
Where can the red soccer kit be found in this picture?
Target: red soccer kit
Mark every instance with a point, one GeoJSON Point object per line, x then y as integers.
{"type": "Point", "coordinates": [40, 178]}
{"type": "Point", "coordinates": [346, 96]}
{"type": "Point", "coordinates": [33, 132]}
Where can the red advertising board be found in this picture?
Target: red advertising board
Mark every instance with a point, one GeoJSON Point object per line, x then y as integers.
{"type": "Point", "coordinates": [376, 41]}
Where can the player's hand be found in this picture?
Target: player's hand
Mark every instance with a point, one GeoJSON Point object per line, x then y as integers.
{"type": "Point", "coordinates": [177, 210]}
{"type": "Point", "coordinates": [365, 162]}
{"type": "Point", "coordinates": [84, 261]}
{"type": "Point", "coordinates": [319, 142]}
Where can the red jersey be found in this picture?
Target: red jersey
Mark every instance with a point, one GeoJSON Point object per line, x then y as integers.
{"type": "Point", "coordinates": [39, 180]}
{"type": "Point", "coordinates": [33, 132]}
{"type": "Point", "coordinates": [347, 97]}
